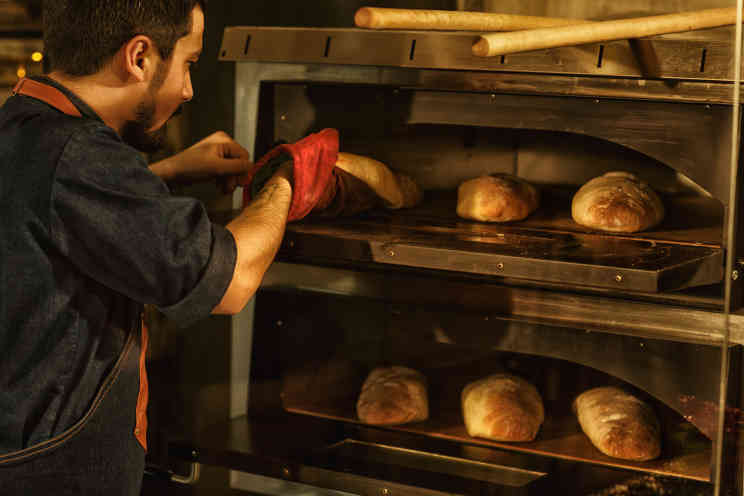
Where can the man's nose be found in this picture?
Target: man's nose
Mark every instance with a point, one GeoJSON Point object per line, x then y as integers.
{"type": "Point", "coordinates": [188, 90]}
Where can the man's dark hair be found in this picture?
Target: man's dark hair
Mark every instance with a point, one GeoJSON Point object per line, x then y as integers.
{"type": "Point", "coordinates": [81, 36]}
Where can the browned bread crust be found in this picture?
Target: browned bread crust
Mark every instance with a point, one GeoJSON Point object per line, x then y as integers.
{"type": "Point", "coordinates": [502, 407]}
{"type": "Point", "coordinates": [395, 190]}
{"type": "Point", "coordinates": [619, 424]}
{"type": "Point", "coordinates": [617, 202]}
{"type": "Point", "coordinates": [393, 395]}
{"type": "Point", "coordinates": [496, 198]}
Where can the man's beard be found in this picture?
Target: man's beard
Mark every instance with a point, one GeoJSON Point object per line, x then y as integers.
{"type": "Point", "coordinates": [135, 133]}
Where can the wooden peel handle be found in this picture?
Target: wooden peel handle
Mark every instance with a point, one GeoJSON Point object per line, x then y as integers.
{"type": "Point", "coordinates": [490, 45]}
{"type": "Point", "coordinates": [385, 18]}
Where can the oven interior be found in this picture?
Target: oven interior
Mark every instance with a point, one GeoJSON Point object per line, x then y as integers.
{"type": "Point", "coordinates": [312, 353]}
{"type": "Point", "coordinates": [548, 248]}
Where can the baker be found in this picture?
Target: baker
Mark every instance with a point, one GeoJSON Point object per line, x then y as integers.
{"type": "Point", "coordinates": [90, 233]}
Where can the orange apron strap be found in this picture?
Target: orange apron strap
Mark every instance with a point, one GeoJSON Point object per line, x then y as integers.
{"type": "Point", "coordinates": [47, 94]}
{"type": "Point", "coordinates": [140, 428]}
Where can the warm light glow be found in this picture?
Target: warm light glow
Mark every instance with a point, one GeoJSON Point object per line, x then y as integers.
{"type": "Point", "coordinates": [37, 56]}
{"type": "Point", "coordinates": [21, 73]}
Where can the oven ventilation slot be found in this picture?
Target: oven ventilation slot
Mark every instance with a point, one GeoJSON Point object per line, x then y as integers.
{"type": "Point", "coordinates": [678, 57]}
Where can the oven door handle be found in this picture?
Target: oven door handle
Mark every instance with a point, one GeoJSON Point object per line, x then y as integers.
{"type": "Point", "coordinates": [164, 474]}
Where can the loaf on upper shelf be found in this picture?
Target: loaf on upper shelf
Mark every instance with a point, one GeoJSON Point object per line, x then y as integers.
{"type": "Point", "coordinates": [502, 407]}
{"type": "Point", "coordinates": [392, 396]}
{"type": "Point", "coordinates": [358, 184]}
{"type": "Point", "coordinates": [617, 202]}
{"type": "Point", "coordinates": [395, 190]}
{"type": "Point", "coordinates": [618, 424]}
{"type": "Point", "coordinates": [496, 198]}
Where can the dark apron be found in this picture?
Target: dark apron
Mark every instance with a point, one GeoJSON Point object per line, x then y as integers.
{"type": "Point", "coordinates": [104, 452]}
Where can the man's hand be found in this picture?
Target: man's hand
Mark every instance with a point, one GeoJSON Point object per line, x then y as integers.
{"type": "Point", "coordinates": [313, 158]}
{"type": "Point", "coordinates": [216, 156]}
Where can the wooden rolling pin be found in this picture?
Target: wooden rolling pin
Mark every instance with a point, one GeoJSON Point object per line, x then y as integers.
{"type": "Point", "coordinates": [383, 18]}
{"type": "Point", "coordinates": [490, 45]}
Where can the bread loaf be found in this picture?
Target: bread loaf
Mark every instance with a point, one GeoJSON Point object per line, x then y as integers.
{"type": "Point", "coordinates": [394, 189]}
{"type": "Point", "coordinates": [496, 198]}
{"type": "Point", "coordinates": [619, 424]}
{"type": "Point", "coordinates": [393, 395]}
{"type": "Point", "coordinates": [617, 202]}
{"type": "Point", "coordinates": [502, 407]}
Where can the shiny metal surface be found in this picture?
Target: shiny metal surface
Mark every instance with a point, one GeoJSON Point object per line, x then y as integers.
{"type": "Point", "coordinates": [678, 58]}
{"type": "Point", "coordinates": [563, 322]}
{"type": "Point", "coordinates": [489, 472]}
{"type": "Point", "coordinates": [569, 258]}
{"type": "Point", "coordinates": [294, 448]}
{"type": "Point", "coordinates": [620, 315]}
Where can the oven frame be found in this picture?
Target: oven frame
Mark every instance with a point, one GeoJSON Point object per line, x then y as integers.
{"type": "Point", "coordinates": [661, 316]}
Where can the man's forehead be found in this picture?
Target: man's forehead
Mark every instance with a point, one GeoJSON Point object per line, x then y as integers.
{"type": "Point", "coordinates": [191, 44]}
{"type": "Point", "coordinates": [197, 22]}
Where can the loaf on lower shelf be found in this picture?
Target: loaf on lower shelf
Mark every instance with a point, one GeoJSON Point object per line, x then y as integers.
{"type": "Point", "coordinates": [502, 407]}
{"type": "Point", "coordinates": [618, 424]}
{"type": "Point", "coordinates": [393, 396]}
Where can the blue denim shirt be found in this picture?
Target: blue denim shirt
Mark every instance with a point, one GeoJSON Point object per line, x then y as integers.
{"type": "Point", "coordinates": [88, 235]}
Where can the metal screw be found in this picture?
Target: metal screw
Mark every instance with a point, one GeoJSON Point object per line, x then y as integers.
{"type": "Point", "coordinates": [735, 275]}
{"type": "Point", "coordinates": [596, 100]}
{"type": "Point", "coordinates": [707, 107]}
{"type": "Point", "coordinates": [194, 454]}
{"type": "Point", "coordinates": [283, 117]}
{"type": "Point", "coordinates": [391, 252]}
{"type": "Point", "coordinates": [385, 491]}
{"type": "Point", "coordinates": [500, 266]}
{"type": "Point", "coordinates": [619, 278]}
{"type": "Point", "coordinates": [493, 96]}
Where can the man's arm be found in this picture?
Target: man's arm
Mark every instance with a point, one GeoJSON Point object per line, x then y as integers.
{"type": "Point", "coordinates": [258, 232]}
{"type": "Point", "coordinates": [217, 155]}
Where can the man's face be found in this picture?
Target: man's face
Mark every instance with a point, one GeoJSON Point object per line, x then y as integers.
{"type": "Point", "coordinates": [169, 89]}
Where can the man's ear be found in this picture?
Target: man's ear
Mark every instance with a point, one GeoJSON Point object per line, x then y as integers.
{"type": "Point", "coordinates": [139, 58]}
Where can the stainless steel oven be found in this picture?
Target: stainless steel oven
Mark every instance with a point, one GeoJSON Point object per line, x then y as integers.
{"type": "Point", "coordinates": [657, 312]}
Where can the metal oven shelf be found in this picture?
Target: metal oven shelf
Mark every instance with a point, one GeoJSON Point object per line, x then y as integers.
{"type": "Point", "coordinates": [362, 460]}
{"type": "Point", "coordinates": [548, 247]}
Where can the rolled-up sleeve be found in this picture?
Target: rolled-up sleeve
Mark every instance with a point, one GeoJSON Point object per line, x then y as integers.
{"type": "Point", "coordinates": [118, 223]}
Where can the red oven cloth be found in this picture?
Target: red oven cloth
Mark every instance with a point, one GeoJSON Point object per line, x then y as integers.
{"type": "Point", "coordinates": [314, 158]}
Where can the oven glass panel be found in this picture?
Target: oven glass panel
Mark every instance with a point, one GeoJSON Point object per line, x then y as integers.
{"type": "Point", "coordinates": [317, 350]}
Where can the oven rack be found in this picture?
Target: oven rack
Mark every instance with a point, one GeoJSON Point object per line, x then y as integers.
{"type": "Point", "coordinates": [686, 453]}
{"type": "Point", "coordinates": [547, 247]}
{"type": "Point", "coordinates": [342, 456]}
